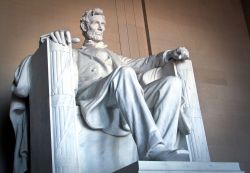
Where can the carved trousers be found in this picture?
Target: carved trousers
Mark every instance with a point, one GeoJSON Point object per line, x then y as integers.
{"type": "Point", "coordinates": [152, 112]}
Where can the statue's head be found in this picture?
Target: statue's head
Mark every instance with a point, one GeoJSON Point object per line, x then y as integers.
{"type": "Point", "coordinates": [92, 24]}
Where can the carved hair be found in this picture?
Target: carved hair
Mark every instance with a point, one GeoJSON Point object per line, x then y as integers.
{"type": "Point", "coordinates": [85, 19]}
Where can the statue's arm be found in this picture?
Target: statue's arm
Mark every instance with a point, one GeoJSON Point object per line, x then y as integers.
{"type": "Point", "coordinates": [142, 65]}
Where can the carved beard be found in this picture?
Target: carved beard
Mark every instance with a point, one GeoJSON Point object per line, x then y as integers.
{"type": "Point", "coordinates": [92, 35]}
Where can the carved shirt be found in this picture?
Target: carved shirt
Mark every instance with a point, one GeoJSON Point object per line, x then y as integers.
{"type": "Point", "coordinates": [96, 69]}
{"type": "Point", "coordinates": [93, 65]}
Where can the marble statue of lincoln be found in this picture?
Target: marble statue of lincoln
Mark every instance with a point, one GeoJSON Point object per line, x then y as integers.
{"type": "Point", "coordinates": [111, 95]}
{"type": "Point", "coordinates": [109, 85]}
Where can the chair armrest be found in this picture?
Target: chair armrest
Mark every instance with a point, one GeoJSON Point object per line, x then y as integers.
{"type": "Point", "coordinates": [191, 109]}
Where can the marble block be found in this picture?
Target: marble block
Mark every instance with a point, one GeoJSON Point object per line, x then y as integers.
{"type": "Point", "coordinates": [181, 167]}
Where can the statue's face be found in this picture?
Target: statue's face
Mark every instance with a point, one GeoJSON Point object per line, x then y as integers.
{"type": "Point", "coordinates": [96, 28]}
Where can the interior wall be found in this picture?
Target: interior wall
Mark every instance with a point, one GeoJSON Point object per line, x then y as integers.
{"type": "Point", "coordinates": [246, 9]}
{"type": "Point", "coordinates": [215, 32]}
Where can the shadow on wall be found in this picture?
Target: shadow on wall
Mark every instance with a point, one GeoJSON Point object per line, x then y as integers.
{"type": "Point", "coordinates": [7, 139]}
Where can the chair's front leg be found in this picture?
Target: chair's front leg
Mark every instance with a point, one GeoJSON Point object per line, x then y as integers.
{"type": "Point", "coordinates": [191, 121]}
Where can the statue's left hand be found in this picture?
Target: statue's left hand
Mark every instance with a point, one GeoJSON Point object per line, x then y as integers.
{"type": "Point", "coordinates": [180, 53]}
{"type": "Point", "coordinates": [62, 37]}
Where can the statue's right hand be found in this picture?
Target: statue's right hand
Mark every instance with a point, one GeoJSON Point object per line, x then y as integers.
{"type": "Point", "coordinates": [63, 37]}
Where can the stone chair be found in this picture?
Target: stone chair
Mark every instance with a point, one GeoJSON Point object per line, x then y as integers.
{"type": "Point", "coordinates": [61, 142]}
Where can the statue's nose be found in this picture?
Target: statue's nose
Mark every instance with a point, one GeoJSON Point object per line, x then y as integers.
{"type": "Point", "coordinates": [100, 27]}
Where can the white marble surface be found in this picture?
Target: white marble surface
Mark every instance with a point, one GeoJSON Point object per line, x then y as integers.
{"type": "Point", "coordinates": [181, 167]}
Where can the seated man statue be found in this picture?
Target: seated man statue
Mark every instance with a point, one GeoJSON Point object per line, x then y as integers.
{"type": "Point", "coordinates": [108, 81]}
{"type": "Point", "coordinates": [109, 86]}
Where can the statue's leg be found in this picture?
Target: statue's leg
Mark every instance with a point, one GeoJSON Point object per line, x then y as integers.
{"type": "Point", "coordinates": [129, 96]}
{"type": "Point", "coordinates": [164, 99]}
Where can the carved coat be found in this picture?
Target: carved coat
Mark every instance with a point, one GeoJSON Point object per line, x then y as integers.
{"type": "Point", "coordinates": [96, 68]}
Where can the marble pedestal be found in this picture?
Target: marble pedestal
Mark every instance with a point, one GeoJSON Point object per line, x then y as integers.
{"type": "Point", "coordinates": [180, 167]}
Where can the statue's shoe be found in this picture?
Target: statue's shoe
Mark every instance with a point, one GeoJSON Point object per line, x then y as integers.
{"type": "Point", "coordinates": [160, 153]}
{"type": "Point", "coordinates": [176, 155]}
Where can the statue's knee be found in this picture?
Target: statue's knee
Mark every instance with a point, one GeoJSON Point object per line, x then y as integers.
{"type": "Point", "coordinates": [126, 71]}
{"type": "Point", "coordinates": [127, 78]}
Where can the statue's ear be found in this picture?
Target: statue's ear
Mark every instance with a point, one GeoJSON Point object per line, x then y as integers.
{"type": "Point", "coordinates": [83, 26]}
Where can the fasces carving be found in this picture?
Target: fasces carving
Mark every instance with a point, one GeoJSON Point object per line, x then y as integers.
{"type": "Point", "coordinates": [62, 101]}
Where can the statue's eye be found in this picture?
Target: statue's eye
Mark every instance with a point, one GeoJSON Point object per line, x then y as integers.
{"type": "Point", "coordinates": [94, 22]}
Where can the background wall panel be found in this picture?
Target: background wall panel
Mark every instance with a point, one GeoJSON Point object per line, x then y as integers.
{"type": "Point", "coordinates": [215, 32]}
